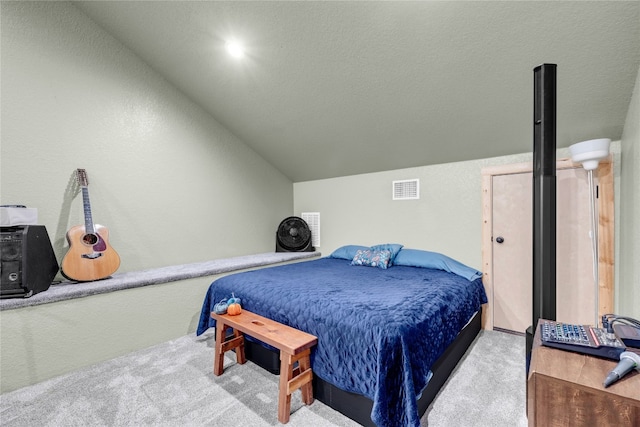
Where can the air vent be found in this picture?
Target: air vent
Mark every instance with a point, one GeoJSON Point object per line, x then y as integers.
{"type": "Point", "coordinates": [408, 189]}
{"type": "Point", "coordinates": [313, 221]}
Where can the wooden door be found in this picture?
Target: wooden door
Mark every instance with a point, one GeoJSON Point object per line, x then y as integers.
{"type": "Point", "coordinates": [512, 251]}
{"type": "Point", "coordinates": [508, 266]}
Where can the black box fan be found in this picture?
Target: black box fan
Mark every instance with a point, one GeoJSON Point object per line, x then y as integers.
{"type": "Point", "coordinates": [294, 235]}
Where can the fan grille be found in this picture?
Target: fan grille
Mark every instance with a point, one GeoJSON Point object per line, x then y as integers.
{"type": "Point", "coordinates": [293, 233]}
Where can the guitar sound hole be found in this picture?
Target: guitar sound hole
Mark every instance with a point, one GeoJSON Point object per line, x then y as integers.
{"type": "Point", "coordinates": [90, 239]}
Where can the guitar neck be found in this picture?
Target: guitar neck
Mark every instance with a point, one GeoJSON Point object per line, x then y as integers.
{"type": "Point", "coordinates": [88, 220]}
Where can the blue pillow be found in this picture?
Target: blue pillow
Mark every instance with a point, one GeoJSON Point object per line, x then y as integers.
{"type": "Point", "coordinates": [426, 259]}
{"type": "Point", "coordinates": [371, 258]}
{"type": "Point", "coordinates": [394, 248]}
{"type": "Point", "coordinates": [347, 252]}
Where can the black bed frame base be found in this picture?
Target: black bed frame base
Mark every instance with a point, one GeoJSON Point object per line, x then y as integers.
{"type": "Point", "coordinates": [358, 407]}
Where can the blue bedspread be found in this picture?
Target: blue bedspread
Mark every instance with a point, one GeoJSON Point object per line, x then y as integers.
{"type": "Point", "coordinates": [379, 331]}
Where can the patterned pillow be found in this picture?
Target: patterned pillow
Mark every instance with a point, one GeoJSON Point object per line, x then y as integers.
{"type": "Point", "coordinates": [371, 258]}
{"type": "Point", "coordinates": [394, 248]}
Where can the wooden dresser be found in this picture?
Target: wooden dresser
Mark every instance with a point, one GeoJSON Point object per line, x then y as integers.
{"type": "Point", "coordinates": [565, 389]}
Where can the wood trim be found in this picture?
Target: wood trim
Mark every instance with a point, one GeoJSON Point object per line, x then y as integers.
{"type": "Point", "coordinates": [487, 251]}
{"type": "Point", "coordinates": [606, 230]}
{"type": "Point", "coordinates": [606, 234]}
{"type": "Point", "coordinates": [564, 163]}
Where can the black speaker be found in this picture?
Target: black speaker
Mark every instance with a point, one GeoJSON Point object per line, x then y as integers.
{"type": "Point", "coordinates": [27, 261]}
{"type": "Point", "coordinates": [544, 200]}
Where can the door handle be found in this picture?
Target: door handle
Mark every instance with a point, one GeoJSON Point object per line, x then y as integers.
{"type": "Point", "coordinates": [499, 239]}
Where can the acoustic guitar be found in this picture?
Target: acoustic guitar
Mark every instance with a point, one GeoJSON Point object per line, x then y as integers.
{"type": "Point", "coordinates": [90, 257]}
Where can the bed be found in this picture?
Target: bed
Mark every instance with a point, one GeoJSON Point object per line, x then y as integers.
{"type": "Point", "coordinates": [386, 317]}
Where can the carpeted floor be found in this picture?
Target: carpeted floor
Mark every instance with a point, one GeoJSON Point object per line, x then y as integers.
{"type": "Point", "coordinates": [172, 384]}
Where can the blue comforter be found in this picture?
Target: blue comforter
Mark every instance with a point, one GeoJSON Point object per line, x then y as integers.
{"type": "Point", "coordinates": [379, 331]}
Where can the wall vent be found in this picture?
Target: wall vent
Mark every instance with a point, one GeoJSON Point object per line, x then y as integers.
{"type": "Point", "coordinates": [407, 189]}
{"type": "Point", "coordinates": [313, 221]}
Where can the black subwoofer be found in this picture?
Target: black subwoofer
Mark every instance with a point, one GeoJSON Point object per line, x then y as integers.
{"type": "Point", "coordinates": [27, 261]}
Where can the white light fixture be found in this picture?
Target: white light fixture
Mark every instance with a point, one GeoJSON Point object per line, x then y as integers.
{"type": "Point", "coordinates": [589, 153]}
{"type": "Point", "coordinates": [235, 48]}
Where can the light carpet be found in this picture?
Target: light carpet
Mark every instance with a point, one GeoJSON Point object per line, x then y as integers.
{"type": "Point", "coordinates": [172, 384]}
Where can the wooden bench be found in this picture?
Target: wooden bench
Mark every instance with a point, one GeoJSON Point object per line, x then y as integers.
{"type": "Point", "coordinates": [294, 345]}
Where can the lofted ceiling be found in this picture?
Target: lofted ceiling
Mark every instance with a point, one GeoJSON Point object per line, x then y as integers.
{"type": "Point", "coordinates": [330, 89]}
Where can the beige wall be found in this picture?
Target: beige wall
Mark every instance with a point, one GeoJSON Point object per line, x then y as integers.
{"type": "Point", "coordinates": [44, 341]}
{"type": "Point", "coordinates": [628, 295]}
{"type": "Point", "coordinates": [171, 184]}
{"type": "Point", "coordinates": [447, 218]}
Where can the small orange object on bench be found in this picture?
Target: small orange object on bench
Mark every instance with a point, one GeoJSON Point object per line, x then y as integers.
{"type": "Point", "coordinates": [294, 346]}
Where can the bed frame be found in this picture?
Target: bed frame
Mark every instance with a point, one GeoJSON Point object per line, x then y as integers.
{"type": "Point", "coordinates": [358, 407]}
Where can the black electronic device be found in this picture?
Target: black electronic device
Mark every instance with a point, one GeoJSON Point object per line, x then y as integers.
{"type": "Point", "coordinates": [627, 329]}
{"type": "Point", "coordinates": [581, 339]}
{"type": "Point", "coordinates": [294, 235]}
{"type": "Point", "coordinates": [27, 261]}
{"type": "Point", "coordinates": [629, 335]}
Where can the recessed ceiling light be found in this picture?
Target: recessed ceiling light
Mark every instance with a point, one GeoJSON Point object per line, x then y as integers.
{"type": "Point", "coordinates": [235, 48]}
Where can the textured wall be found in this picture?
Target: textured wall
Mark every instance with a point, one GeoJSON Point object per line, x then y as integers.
{"type": "Point", "coordinates": [44, 341]}
{"type": "Point", "coordinates": [628, 297]}
{"type": "Point", "coordinates": [447, 218]}
{"type": "Point", "coordinates": [172, 185]}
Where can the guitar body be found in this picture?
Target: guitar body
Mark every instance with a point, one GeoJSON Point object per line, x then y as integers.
{"type": "Point", "coordinates": [90, 257]}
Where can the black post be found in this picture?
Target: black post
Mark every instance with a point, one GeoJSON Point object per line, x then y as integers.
{"type": "Point", "coordinates": [544, 198]}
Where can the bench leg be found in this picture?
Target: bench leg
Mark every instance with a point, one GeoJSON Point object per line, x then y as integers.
{"type": "Point", "coordinates": [290, 383]}
{"type": "Point", "coordinates": [223, 346]}
{"type": "Point", "coordinates": [240, 357]}
{"type": "Point", "coordinates": [284, 397]}
{"type": "Point", "coordinates": [307, 388]}
{"type": "Point", "coordinates": [218, 360]}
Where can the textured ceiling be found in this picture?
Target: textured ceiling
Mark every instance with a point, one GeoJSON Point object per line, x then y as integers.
{"type": "Point", "coordinates": [340, 88]}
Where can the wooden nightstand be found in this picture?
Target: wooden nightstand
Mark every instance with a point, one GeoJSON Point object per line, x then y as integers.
{"type": "Point", "coordinates": [565, 389]}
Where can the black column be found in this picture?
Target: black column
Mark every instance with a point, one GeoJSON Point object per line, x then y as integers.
{"type": "Point", "coordinates": [544, 198]}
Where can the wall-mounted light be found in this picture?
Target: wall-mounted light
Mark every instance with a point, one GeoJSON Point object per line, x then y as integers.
{"type": "Point", "coordinates": [589, 153]}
